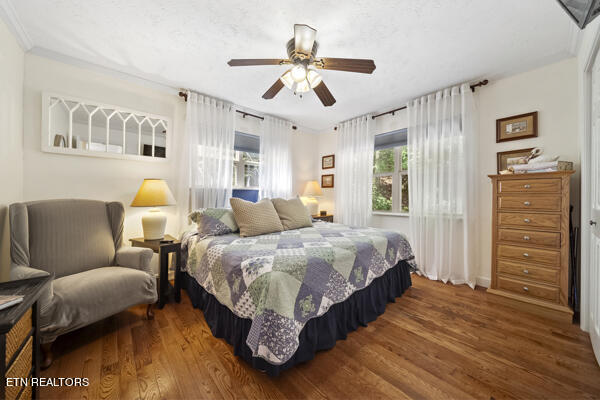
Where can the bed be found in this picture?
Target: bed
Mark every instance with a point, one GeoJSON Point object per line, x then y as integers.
{"type": "Point", "coordinates": [280, 298]}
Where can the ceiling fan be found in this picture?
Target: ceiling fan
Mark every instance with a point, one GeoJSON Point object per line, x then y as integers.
{"type": "Point", "coordinates": [303, 75]}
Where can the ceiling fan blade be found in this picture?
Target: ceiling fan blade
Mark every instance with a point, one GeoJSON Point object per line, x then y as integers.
{"type": "Point", "coordinates": [324, 94]}
{"type": "Point", "coordinates": [346, 64]}
{"type": "Point", "coordinates": [244, 62]}
{"type": "Point", "coordinates": [273, 90]}
{"type": "Point", "coordinates": [304, 38]}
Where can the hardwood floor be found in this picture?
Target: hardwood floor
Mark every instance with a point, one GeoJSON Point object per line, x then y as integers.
{"type": "Point", "coordinates": [436, 341]}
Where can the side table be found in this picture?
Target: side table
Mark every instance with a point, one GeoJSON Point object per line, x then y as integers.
{"type": "Point", "coordinates": [164, 247]}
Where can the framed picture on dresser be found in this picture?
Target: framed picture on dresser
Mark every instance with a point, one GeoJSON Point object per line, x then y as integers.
{"type": "Point", "coordinates": [506, 158]}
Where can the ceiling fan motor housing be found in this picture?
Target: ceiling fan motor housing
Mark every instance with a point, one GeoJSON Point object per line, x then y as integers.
{"type": "Point", "coordinates": [298, 57]}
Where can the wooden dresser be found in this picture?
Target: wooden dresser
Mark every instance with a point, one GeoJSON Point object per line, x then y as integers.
{"type": "Point", "coordinates": [530, 242]}
{"type": "Point", "coordinates": [19, 339]}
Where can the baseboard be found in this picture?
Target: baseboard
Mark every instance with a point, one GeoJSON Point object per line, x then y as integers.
{"type": "Point", "coordinates": [483, 281]}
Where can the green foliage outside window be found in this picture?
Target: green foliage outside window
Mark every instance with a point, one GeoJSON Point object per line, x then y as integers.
{"type": "Point", "coordinates": [384, 170]}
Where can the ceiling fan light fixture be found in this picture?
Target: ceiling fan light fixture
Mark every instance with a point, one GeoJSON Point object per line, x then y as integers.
{"type": "Point", "coordinates": [314, 78]}
{"type": "Point", "coordinates": [304, 38]}
{"type": "Point", "coordinates": [302, 86]}
{"type": "Point", "coordinates": [287, 79]}
{"type": "Point", "coordinates": [298, 73]}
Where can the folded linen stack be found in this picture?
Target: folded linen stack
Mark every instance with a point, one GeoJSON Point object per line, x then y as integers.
{"type": "Point", "coordinates": [549, 166]}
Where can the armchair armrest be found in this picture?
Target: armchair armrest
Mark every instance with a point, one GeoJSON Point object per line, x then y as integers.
{"type": "Point", "coordinates": [135, 257]}
{"type": "Point", "coordinates": [18, 272]}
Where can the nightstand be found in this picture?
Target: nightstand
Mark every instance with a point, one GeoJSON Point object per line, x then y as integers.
{"type": "Point", "coordinates": [20, 339]}
{"type": "Point", "coordinates": [325, 218]}
{"type": "Point", "coordinates": [164, 247]}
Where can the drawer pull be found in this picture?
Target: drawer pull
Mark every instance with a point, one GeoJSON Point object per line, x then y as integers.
{"type": "Point", "coordinates": [526, 203]}
{"type": "Point", "coordinates": [526, 220]}
{"type": "Point", "coordinates": [525, 288]}
{"type": "Point", "coordinates": [525, 271]}
{"type": "Point", "coordinates": [526, 237]}
{"type": "Point", "coordinates": [525, 254]}
{"type": "Point", "coordinates": [527, 186]}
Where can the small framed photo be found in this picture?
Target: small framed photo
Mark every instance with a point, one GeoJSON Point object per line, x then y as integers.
{"type": "Point", "coordinates": [517, 127]}
{"type": "Point", "coordinates": [328, 162]}
{"type": "Point", "coordinates": [327, 181]}
{"type": "Point", "coordinates": [507, 158]}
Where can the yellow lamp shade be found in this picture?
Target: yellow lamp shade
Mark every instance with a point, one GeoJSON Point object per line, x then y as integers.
{"type": "Point", "coordinates": [312, 189]}
{"type": "Point", "coordinates": [153, 193]}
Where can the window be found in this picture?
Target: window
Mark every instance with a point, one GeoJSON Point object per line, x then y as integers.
{"type": "Point", "coordinates": [245, 170]}
{"type": "Point", "coordinates": [246, 161]}
{"type": "Point", "coordinates": [390, 173]}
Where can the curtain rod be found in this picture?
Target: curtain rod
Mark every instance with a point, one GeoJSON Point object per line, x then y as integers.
{"type": "Point", "coordinates": [473, 87]}
{"type": "Point", "coordinates": [244, 113]}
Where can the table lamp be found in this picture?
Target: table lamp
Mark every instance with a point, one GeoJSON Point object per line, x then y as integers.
{"type": "Point", "coordinates": [153, 193]}
{"type": "Point", "coordinates": [311, 191]}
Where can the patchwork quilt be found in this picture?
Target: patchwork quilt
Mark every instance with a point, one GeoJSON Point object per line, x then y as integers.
{"type": "Point", "coordinates": [282, 280]}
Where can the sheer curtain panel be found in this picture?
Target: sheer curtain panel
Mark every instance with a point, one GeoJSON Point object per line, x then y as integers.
{"type": "Point", "coordinates": [354, 171]}
{"type": "Point", "coordinates": [442, 165]}
{"type": "Point", "coordinates": [275, 171]}
{"type": "Point", "coordinates": [206, 154]}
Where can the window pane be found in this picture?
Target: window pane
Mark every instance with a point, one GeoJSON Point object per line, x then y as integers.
{"type": "Point", "coordinates": [245, 169]}
{"type": "Point", "coordinates": [250, 175]}
{"type": "Point", "coordinates": [383, 161]}
{"type": "Point", "coordinates": [404, 154]}
{"type": "Point", "coordinates": [382, 193]}
{"type": "Point", "coordinates": [404, 205]}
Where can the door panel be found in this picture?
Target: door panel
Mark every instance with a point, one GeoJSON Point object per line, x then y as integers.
{"type": "Point", "coordinates": [594, 236]}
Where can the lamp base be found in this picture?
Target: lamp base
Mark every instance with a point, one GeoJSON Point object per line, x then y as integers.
{"type": "Point", "coordinates": [154, 223]}
{"type": "Point", "coordinates": [312, 205]}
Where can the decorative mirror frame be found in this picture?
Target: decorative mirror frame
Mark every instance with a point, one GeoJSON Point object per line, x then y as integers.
{"type": "Point", "coordinates": [91, 107]}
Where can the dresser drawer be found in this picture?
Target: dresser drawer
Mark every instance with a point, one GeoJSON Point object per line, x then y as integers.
{"type": "Point", "coordinates": [17, 335]}
{"type": "Point", "coordinates": [528, 289]}
{"type": "Point", "coordinates": [549, 257]}
{"type": "Point", "coordinates": [530, 186]}
{"type": "Point", "coordinates": [547, 202]}
{"type": "Point", "coordinates": [528, 220]}
{"type": "Point", "coordinates": [525, 271]}
{"type": "Point", "coordinates": [20, 369]}
{"type": "Point", "coordinates": [548, 239]}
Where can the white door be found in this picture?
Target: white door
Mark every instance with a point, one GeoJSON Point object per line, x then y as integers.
{"type": "Point", "coordinates": [594, 212]}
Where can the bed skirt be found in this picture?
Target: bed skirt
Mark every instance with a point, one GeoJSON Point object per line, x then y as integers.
{"type": "Point", "coordinates": [319, 333]}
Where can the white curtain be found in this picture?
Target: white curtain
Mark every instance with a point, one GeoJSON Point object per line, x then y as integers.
{"type": "Point", "coordinates": [442, 168]}
{"type": "Point", "coordinates": [354, 170]}
{"type": "Point", "coordinates": [206, 155]}
{"type": "Point", "coordinates": [275, 171]}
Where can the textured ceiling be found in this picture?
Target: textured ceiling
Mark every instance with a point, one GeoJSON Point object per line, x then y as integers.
{"type": "Point", "coordinates": [418, 45]}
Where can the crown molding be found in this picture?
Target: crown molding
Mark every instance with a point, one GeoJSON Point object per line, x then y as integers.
{"type": "Point", "coordinates": [10, 17]}
{"type": "Point", "coordinates": [152, 82]}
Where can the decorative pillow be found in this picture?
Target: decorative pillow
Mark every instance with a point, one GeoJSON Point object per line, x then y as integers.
{"type": "Point", "coordinates": [214, 221]}
{"type": "Point", "coordinates": [255, 218]}
{"type": "Point", "coordinates": [292, 213]}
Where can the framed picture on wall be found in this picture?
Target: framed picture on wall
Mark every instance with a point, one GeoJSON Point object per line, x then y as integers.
{"type": "Point", "coordinates": [517, 127]}
{"type": "Point", "coordinates": [328, 162]}
{"type": "Point", "coordinates": [511, 157]}
{"type": "Point", "coordinates": [327, 181]}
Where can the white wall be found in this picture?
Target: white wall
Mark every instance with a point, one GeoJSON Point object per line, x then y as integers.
{"type": "Point", "coordinates": [48, 176]}
{"type": "Point", "coordinates": [11, 136]}
{"type": "Point", "coordinates": [551, 90]}
{"type": "Point", "coordinates": [304, 160]}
